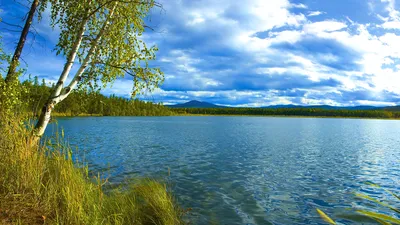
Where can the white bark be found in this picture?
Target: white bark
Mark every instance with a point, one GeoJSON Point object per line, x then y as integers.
{"type": "Point", "coordinates": [86, 61]}
{"type": "Point", "coordinates": [59, 93]}
{"type": "Point", "coordinates": [70, 61]}
{"type": "Point", "coordinates": [44, 118]}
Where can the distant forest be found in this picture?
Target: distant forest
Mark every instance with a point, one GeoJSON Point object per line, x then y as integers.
{"type": "Point", "coordinates": [88, 102]}
{"type": "Point", "coordinates": [312, 112]}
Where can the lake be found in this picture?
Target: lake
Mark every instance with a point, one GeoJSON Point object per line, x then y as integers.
{"type": "Point", "coordinates": [248, 170]}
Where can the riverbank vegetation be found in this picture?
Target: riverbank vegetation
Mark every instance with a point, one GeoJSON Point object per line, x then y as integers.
{"type": "Point", "coordinates": [309, 112]}
{"type": "Point", "coordinates": [41, 184]}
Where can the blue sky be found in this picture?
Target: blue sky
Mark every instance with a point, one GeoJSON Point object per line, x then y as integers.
{"type": "Point", "coordinates": [254, 52]}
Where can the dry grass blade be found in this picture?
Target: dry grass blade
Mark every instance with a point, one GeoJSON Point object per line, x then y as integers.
{"type": "Point", "coordinates": [325, 217]}
{"type": "Point", "coordinates": [382, 222]}
{"type": "Point", "coordinates": [376, 201]}
{"type": "Point", "coordinates": [390, 192]}
{"type": "Point", "coordinates": [379, 216]}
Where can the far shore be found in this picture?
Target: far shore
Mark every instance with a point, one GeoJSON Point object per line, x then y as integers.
{"type": "Point", "coordinates": [232, 115]}
{"type": "Point", "coordinates": [55, 114]}
{"type": "Point", "coordinates": [290, 116]}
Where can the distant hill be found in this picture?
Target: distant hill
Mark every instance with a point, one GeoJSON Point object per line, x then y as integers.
{"type": "Point", "coordinates": [199, 104]}
{"type": "Point", "coordinates": [392, 108]}
{"type": "Point", "coordinates": [361, 107]}
{"type": "Point", "coordinates": [195, 104]}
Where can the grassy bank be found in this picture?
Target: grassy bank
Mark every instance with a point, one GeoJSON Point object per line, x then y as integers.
{"type": "Point", "coordinates": [42, 185]}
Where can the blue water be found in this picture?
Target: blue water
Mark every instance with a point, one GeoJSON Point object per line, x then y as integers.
{"type": "Point", "coordinates": [248, 170]}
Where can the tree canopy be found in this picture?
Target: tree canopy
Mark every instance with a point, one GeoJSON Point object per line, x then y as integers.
{"type": "Point", "coordinates": [104, 38]}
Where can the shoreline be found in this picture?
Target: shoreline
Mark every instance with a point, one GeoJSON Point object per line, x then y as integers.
{"type": "Point", "coordinates": [289, 116]}
{"type": "Point", "coordinates": [55, 114]}
{"type": "Point", "coordinates": [232, 115]}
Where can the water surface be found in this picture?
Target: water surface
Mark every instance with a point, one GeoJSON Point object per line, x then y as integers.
{"type": "Point", "coordinates": [248, 170]}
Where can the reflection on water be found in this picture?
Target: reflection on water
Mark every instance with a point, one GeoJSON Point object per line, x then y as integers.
{"type": "Point", "coordinates": [247, 170]}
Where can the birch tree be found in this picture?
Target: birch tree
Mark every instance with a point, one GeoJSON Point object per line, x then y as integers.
{"type": "Point", "coordinates": [103, 39]}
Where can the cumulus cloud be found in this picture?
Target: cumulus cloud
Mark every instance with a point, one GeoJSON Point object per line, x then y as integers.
{"type": "Point", "coordinates": [269, 52]}
{"type": "Point", "coordinates": [288, 53]}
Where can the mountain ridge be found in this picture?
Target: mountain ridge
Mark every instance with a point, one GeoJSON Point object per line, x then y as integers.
{"type": "Point", "coordinates": [203, 104]}
{"type": "Point", "coordinates": [195, 104]}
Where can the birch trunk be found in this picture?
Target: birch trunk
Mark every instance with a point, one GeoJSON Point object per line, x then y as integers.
{"type": "Point", "coordinates": [70, 60]}
{"type": "Point", "coordinates": [11, 76]}
{"type": "Point", "coordinates": [59, 93]}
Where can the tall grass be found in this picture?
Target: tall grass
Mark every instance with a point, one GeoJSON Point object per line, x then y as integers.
{"type": "Point", "coordinates": [43, 185]}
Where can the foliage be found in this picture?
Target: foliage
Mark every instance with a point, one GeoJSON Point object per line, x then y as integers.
{"type": "Point", "coordinates": [105, 37]}
{"type": "Point", "coordinates": [10, 94]}
{"type": "Point", "coordinates": [111, 44]}
{"type": "Point", "coordinates": [86, 102]}
{"type": "Point", "coordinates": [316, 112]}
{"type": "Point", "coordinates": [41, 184]}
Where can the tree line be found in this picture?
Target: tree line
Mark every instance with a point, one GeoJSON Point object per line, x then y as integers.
{"type": "Point", "coordinates": [313, 112]}
{"type": "Point", "coordinates": [87, 101]}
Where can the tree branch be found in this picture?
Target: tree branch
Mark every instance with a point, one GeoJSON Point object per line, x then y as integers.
{"type": "Point", "coordinates": [12, 25]}
{"type": "Point", "coordinates": [108, 2]}
{"type": "Point", "coordinates": [11, 74]}
{"type": "Point", "coordinates": [66, 91]}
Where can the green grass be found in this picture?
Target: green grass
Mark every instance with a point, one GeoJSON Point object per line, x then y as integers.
{"type": "Point", "coordinates": [43, 185]}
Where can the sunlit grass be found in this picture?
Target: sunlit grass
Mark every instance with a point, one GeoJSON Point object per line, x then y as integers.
{"type": "Point", "coordinates": [42, 184]}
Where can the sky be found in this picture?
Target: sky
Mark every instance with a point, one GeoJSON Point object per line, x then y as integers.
{"type": "Point", "coordinates": [252, 53]}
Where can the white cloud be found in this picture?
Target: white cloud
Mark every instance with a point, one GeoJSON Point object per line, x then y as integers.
{"type": "Point", "coordinates": [272, 70]}
{"type": "Point", "coordinates": [242, 21]}
{"type": "Point", "coordinates": [197, 19]}
{"type": "Point", "coordinates": [234, 27]}
{"type": "Point", "coordinates": [392, 21]}
{"type": "Point", "coordinates": [307, 101]}
{"type": "Point", "coordinates": [315, 13]}
{"type": "Point", "coordinates": [324, 26]}
{"type": "Point", "coordinates": [120, 87]}
{"type": "Point", "coordinates": [391, 25]}
{"type": "Point", "coordinates": [300, 6]}
{"type": "Point", "coordinates": [390, 8]}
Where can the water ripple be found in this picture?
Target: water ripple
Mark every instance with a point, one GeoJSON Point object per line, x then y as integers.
{"type": "Point", "coordinates": [248, 170]}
